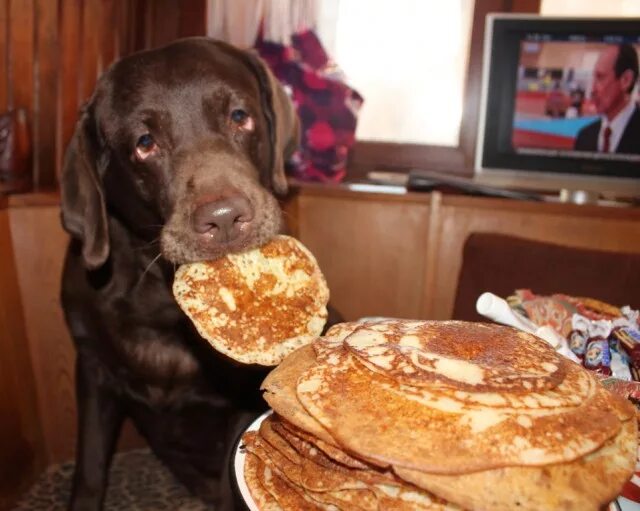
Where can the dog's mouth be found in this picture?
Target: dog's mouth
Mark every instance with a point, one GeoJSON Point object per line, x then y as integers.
{"type": "Point", "coordinates": [213, 226]}
{"type": "Point", "coordinates": [181, 246]}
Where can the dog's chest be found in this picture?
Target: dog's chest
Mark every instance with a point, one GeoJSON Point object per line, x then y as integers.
{"type": "Point", "coordinates": [159, 357]}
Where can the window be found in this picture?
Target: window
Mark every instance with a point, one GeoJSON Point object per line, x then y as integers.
{"type": "Point", "coordinates": [408, 59]}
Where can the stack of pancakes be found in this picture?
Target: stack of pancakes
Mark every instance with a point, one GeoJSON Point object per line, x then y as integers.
{"type": "Point", "coordinates": [403, 414]}
{"type": "Point", "coordinates": [256, 306]}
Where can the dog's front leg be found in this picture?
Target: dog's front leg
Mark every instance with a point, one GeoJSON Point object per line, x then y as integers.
{"type": "Point", "coordinates": [100, 418]}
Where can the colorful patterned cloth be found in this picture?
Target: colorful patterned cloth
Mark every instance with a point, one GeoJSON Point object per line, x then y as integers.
{"type": "Point", "coordinates": [326, 105]}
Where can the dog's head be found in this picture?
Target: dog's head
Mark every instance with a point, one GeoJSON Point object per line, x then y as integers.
{"type": "Point", "coordinates": [187, 142]}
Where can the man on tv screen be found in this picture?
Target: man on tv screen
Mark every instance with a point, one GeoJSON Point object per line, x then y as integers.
{"type": "Point", "coordinates": [618, 129]}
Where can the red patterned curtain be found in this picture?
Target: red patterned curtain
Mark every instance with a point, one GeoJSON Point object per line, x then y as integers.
{"type": "Point", "coordinates": [283, 33]}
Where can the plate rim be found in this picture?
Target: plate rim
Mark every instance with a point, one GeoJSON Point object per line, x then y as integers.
{"type": "Point", "coordinates": [239, 456]}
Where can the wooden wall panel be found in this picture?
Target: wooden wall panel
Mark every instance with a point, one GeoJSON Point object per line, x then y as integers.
{"type": "Point", "coordinates": [53, 51]}
{"type": "Point", "coordinates": [51, 54]}
{"type": "Point", "coordinates": [371, 248]}
{"type": "Point", "coordinates": [52, 352]}
{"type": "Point", "coordinates": [4, 55]}
{"type": "Point", "coordinates": [21, 48]}
{"type": "Point", "coordinates": [401, 255]}
{"type": "Point", "coordinates": [21, 449]}
{"type": "Point", "coordinates": [108, 35]}
{"type": "Point", "coordinates": [169, 20]}
{"type": "Point", "coordinates": [164, 20]}
{"type": "Point", "coordinates": [193, 19]}
{"type": "Point", "coordinates": [40, 244]}
{"type": "Point", "coordinates": [68, 77]}
{"type": "Point", "coordinates": [45, 99]}
{"type": "Point", "coordinates": [90, 52]}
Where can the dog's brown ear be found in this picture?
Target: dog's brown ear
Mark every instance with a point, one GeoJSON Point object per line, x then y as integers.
{"type": "Point", "coordinates": [282, 120]}
{"type": "Point", "coordinates": [84, 213]}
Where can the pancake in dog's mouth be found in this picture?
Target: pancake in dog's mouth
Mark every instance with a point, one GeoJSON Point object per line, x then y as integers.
{"type": "Point", "coordinates": [257, 306]}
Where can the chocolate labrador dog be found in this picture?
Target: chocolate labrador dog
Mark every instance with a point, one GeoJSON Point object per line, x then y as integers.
{"type": "Point", "coordinates": [175, 158]}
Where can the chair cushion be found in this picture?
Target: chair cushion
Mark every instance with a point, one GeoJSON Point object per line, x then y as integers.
{"type": "Point", "coordinates": [500, 264]}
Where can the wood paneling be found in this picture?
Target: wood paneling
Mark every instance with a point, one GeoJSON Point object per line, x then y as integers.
{"type": "Point", "coordinates": [20, 63]}
{"type": "Point", "coordinates": [192, 21]}
{"type": "Point", "coordinates": [168, 20]}
{"type": "Point", "coordinates": [90, 51]}
{"type": "Point", "coordinates": [21, 449]}
{"type": "Point", "coordinates": [68, 83]}
{"type": "Point", "coordinates": [53, 51]}
{"type": "Point", "coordinates": [400, 255]}
{"type": "Point", "coordinates": [108, 35]}
{"type": "Point", "coordinates": [4, 55]}
{"type": "Point", "coordinates": [45, 99]}
{"type": "Point", "coordinates": [40, 244]}
{"type": "Point", "coordinates": [51, 54]}
{"type": "Point", "coordinates": [371, 248]}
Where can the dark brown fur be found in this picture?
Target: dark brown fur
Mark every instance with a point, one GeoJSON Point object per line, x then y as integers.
{"type": "Point", "coordinates": [132, 222]}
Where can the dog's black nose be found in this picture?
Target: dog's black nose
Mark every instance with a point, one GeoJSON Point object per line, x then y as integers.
{"type": "Point", "coordinates": [224, 219]}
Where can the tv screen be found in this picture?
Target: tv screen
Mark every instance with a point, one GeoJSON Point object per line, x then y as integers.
{"type": "Point", "coordinates": [559, 105]}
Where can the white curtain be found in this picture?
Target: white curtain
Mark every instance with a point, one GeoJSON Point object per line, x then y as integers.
{"type": "Point", "coordinates": [238, 21]}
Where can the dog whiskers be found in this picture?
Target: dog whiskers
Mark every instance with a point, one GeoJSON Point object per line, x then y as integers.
{"type": "Point", "coordinates": [155, 259]}
{"type": "Point", "coordinates": [147, 245]}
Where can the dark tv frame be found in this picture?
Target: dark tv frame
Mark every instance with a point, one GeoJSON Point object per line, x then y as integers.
{"type": "Point", "coordinates": [496, 162]}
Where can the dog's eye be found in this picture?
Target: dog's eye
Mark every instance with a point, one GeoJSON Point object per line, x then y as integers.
{"type": "Point", "coordinates": [242, 119]}
{"type": "Point", "coordinates": [239, 116]}
{"type": "Point", "coordinates": [145, 147]}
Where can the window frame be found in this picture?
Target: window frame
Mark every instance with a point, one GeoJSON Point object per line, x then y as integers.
{"type": "Point", "coordinates": [367, 156]}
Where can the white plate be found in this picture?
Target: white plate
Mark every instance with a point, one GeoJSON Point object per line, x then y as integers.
{"type": "Point", "coordinates": [238, 464]}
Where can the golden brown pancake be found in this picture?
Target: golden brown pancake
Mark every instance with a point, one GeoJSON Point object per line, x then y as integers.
{"type": "Point", "coordinates": [450, 433]}
{"type": "Point", "coordinates": [263, 499]}
{"type": "Point", "coordinates": [340, 330]}
{"type": "Point", "coordinates": [449, 414]}
{"type": "Point", "coordinates": [307, 473]}
{"type": "Point", "coordinates": [325, 481]}
{"type": "Point", "coordinates": [287, 495]}
{"type": "Point", "coordinates": [586, 484]}
{"type": "Point", "coordinates": [356, 500]}
{"type": "Point", "coordinates": [280, 392]}
{"type": "Point", "coordinates": [369, 474]}
{"type": "Point", "coordinates": [409, 498]}
{"type": "Point", "coordinates": [456, 355]}
{"type": "Point", "coordinates": [331, 451]}
{"type": "Point", "coordinates": [316, 483]}
{"type": "Point", "coordinates": [256, 306]}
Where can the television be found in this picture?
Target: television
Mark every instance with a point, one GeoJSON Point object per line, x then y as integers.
{"type": "Point", "coordinates": [543, 93]}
